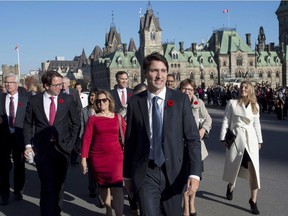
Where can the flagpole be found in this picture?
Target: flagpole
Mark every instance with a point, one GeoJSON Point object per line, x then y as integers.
{"type": "Point", "coordinates": [228, 20]}
{"type": "Point", "coordinates": [18, 61]}
{"type": "Point", "coordinates": [18, 56]}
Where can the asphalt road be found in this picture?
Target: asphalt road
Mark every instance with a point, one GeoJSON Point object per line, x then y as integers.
{"type": "Point", "coordinates": [210, 201]}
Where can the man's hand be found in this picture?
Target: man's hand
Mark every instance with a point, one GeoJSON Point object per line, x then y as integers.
{"type": "Point", "coordinates": [27, 151]}
{"type": "Point", "coordinates": [192, 185]}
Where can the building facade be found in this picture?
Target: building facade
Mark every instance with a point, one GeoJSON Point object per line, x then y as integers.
{"type": "Point", "coordinates": [225, 55]}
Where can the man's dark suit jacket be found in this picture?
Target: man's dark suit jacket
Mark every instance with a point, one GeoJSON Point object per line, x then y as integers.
{"type": "Point", "coordinates": [19, 119]}
{"type": "Point", "coordinates": [118, 104]}
{"type": "Point", "coordinates": [180, 135]}
{"type": "Point", "coordinates": [65, 128]}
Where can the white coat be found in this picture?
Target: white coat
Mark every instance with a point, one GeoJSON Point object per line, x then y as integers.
{"type": "Point", "coordinates": [202, 118]}
{"type": "Point", "coordinates": [246, 126]}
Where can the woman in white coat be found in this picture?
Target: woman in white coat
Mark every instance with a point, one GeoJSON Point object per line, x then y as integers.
{"type": "Point", "coordinates": [204, 121]}
{"type": "Point", "coordinates": [242, 159]}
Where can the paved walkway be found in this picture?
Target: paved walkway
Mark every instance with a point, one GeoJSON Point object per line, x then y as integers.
{"type": "Point", "coordinates": [210, 201]}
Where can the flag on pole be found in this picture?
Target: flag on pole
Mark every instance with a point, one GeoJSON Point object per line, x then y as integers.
{"type": "Point", "coordinates": [225, 11]}
{"type": "Point", "coordinates": [17, 47]}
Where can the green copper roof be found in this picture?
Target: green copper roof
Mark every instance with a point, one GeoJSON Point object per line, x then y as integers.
{"type": "Point", "coordinates": [128, 61]}
{"type": "Point", "coordinates": [267, 59]}
{"type": "Point", "coordinates": [231, 42]}
{"type": "Point", "coordinates": [228, 41]}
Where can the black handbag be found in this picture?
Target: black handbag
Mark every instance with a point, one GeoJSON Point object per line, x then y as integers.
{"type": "Point", "coordinates": [229, 138]}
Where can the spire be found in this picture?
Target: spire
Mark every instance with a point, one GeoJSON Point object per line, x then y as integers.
{"type": "Point", "coordinates": [112, 23]}
{"type": "Point", "coordinates": [149, 6]}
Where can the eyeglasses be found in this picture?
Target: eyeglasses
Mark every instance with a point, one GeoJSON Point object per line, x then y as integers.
{"type": "Point", "coordinates": [187, 89]}
{"type": "Point", "coordinates": [170, 81]}
{"type": "Point", "coordinates": [7, 83]}
{"type": "Point", "coordinates": [57, 85]}
{"type": "Point", "coordinates": [104, 100]}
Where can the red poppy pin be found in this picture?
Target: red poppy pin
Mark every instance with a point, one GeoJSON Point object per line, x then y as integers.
{"type": "Point", "coordinates": [19, 104]}
{"type": "Point", "coordinates": [170, 103]}
{"type": "Point", "coordinates": [195, 102]}
{"type": "Point", "coordinates": [129, 94]}
{"type": "Point", "coordinates": [61, 101]}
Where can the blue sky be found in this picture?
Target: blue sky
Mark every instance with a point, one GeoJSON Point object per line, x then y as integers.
{"type": "Point", "coordinates": [45, 29]}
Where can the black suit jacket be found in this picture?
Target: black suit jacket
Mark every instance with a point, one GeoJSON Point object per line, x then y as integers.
{"type": "Point", "coordinates": [181, 141]}
{"type": "Point", "coordinates": [19, 119]}
{"type": "Point", "coordinates": [65, 128]}
{"type": "Point", "coordinates": [118, 104]}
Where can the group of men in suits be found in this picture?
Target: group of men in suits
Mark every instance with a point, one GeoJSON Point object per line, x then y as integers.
{"type": "Point", "coordinates": [48, 121]}
{"type": "Point", "coordinates": [155, 170]}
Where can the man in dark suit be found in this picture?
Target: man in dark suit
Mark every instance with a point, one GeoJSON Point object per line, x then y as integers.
{"type": "Point", "coordinates": [56, 124]}
{"type": "Point", "coordinates": [13, 107]}
{"type": "Point", "coordinates": [162, 146]}
{"type": "Point", "coordinates": [121, 93]}
{"type": "Point", "coordinates": [71, 91]}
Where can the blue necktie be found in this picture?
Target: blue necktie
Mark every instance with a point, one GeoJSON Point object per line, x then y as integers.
{"type": "Point", "coordinates": [157, 133]}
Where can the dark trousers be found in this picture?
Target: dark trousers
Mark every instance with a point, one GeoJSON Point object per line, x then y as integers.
{"type": "Point", "coordinates": [156, 196]}
{"type": "Point", "coordinates": [52, 169]}
{"type": "Point", "coordinates": [11, 147]}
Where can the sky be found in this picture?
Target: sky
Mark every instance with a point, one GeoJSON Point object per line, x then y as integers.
{"type": "Point", "coordinates": [46, 29]}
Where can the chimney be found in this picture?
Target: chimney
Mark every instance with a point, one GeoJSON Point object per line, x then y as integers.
{"type": "Point", "coordinates": [268, 48]}
{"type": "Point", "coordinates": [125, 48]}
{"type": "Point", "coordinates": [216, 42]}
{"type": "Point", "coordinates": [272, 46]}
{"type": "Point", "coordinates": [181, 45]}
{"type": "Point", "coordinates": [193, 47]}
{"type": "Point", "coordinates": [248, 39]}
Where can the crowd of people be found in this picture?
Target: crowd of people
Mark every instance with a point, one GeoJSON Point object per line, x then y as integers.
{"type": "Point", "coordinates": [148, 142]}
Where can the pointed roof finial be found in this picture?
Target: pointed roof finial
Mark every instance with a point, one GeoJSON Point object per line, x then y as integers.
{"type": "Point", "coordinates": [112, 23]}
{"type": "Point", "coordinates": [149, 7]}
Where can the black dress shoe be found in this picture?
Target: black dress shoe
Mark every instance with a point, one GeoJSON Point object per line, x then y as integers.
{"type": "Point", "coordinates": [229, 194]}
{"type": "Point", "coordinates": [18, 196]}
{"type": "Point", "coordinates": [193, 214]}
{"type": "Point", "coordinates": [253, 207]}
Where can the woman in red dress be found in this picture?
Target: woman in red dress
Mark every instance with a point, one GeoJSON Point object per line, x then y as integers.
{"type": "Point", "coordinates": [101, 145]}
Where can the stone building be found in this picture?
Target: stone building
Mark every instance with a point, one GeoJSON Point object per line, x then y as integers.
{"type": "Point", "coordinates": [225, 55]}
{"type": "Point", "coordinates": [282, 16]}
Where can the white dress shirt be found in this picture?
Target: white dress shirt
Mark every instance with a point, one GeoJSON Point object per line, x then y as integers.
{"type": "Point", "coordinates": [7, 105]}
{"type": "Point", "coordinates": [47, 102]}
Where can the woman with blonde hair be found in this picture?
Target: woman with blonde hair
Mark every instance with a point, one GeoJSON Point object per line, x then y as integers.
{"type": "Point", "coordinates": [242, 157]}
{"type": "Point", "coordinates": [101, 145]}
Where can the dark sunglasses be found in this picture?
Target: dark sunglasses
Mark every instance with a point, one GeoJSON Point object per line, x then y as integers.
{"type": "Point", "coordinates": [104, 100]}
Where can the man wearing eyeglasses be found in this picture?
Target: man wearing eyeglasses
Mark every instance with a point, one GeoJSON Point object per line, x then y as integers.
{"type": "Point", "coordinates": [13, 106]}
{"type": "Point", "coordinates": [56, 124]}
{"type": "Point", "coordinates": [170, 83]}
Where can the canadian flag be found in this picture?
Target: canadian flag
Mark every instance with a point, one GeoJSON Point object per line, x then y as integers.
{"type": "Point", "coordinates": [225, 11]}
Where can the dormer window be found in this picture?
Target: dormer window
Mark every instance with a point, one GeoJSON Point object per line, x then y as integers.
{"type": "Point", "coordinates": [119, 61]}
{"type": "Point", "coordinates": [174, 54]}
{"type": "Point", "coordinates": [134, 61]}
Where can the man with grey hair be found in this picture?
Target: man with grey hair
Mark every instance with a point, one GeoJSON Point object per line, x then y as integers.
{"type": "Point", "coordinates": [14, 104]}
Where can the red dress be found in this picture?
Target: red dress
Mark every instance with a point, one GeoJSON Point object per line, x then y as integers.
{"type": "Point", "coordinates": [101, 144]}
